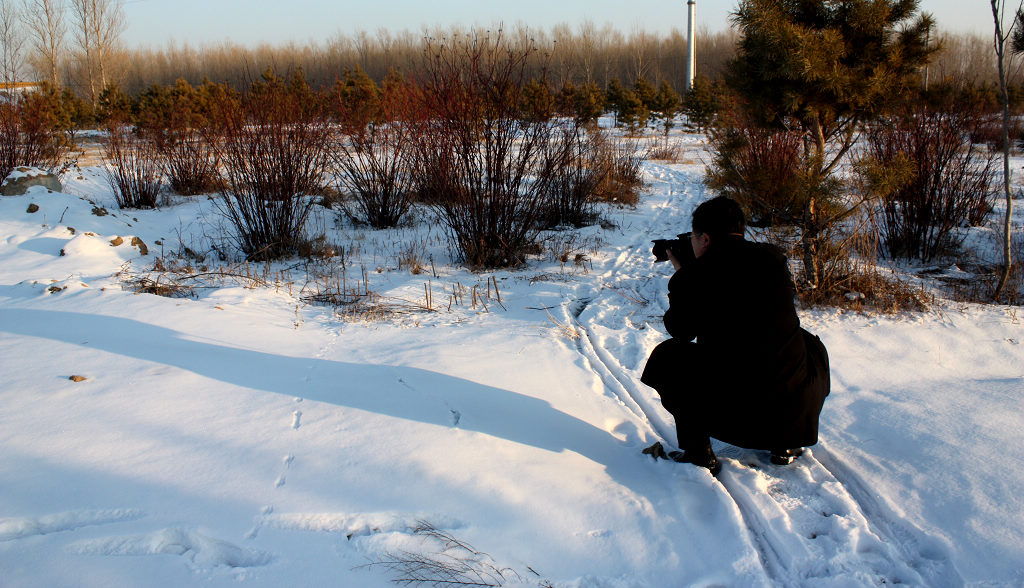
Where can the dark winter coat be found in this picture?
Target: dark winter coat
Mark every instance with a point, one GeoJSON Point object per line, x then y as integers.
{"type": "Point", "coordinates": [753, 378]}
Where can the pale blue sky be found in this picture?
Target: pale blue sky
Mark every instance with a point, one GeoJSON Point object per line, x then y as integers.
{"type": "Point", "coordinates": [155, 22]}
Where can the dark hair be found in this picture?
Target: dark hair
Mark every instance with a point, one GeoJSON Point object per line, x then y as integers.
{"type": "Point", "coordinates": [719, 216]}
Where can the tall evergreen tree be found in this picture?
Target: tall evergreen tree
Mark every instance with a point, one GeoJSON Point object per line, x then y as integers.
{"type": "Point", "coordinates": [823, 67]}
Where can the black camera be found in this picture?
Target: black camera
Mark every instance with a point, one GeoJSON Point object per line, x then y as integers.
{"type": "Point", "coordinates": [681, 248]}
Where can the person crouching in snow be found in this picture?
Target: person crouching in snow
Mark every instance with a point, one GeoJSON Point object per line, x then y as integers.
{"type": "Point", "coordinates": [738, 367]}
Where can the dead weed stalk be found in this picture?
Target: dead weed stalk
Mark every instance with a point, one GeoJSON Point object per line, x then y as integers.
{"type": "Point", "coordinates": [444, 561]}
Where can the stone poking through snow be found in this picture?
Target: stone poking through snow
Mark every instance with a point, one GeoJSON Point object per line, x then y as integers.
{"type": "Point", "coordinates": [23, 178]}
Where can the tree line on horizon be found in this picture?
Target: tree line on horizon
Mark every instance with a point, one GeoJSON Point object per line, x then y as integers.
{"type": "Point", "coordinates": [76, 44]}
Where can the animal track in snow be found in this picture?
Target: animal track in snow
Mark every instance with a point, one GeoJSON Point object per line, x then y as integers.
{"type": "Point", "coordinates": [296, 419]}
{"type": "Point", "coordinates": [286, 461]}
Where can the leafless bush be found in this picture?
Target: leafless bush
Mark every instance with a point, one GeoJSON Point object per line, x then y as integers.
{"type": "Point", "coordinates": [29, 133]}
{"type": "Point", "coordinates": [588, 168]}
{"type": "Point", "coordinates": [988, 131]}
{"type": "Point", "coordinates": [191, 163]}
{"type": "Point", "coordinates": [375, 162]}
{"type": "Point", "coordinates": [861, 286]}
{"type": "Point", "coordinates": [663, 149]}
{"type": "Point", "coordinates": [581, 169]}
{"type": "Point", "coordinates": [849, 275]}
{"type": "Point", "coordinates": [273, 143]}
{"type": "Point", "coordinates": [332, 287]}
{"type": "Point", "coordinates": [624, 180]}
{"type": "Point", "coordinates": [133, 168]}
{"type": "Point", "coordinates": [568, 247]}
{"type": "Point", "coordinates": [165, 288]}
{"type": "Point", "coordinates": [759, 168]}
{"type": "Point", "coordinates": [487, 171]}
{"type": "Point", "coordinates": [931, 178]}
{"type": "Point", "coordinates": [974, 280]}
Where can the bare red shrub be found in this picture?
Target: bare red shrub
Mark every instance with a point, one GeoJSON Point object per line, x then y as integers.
{"type": "Point", "coordinates": [946, 185]}
{"type": "Point", "coordinates": [133, 168]}
{"type": "Point", "coordinates": [487, 171]}
{"type": "Point", "coordinates": [30, 133]}
{"type": "Point", "coordinates": [760, 168]}
{"type": "Point", "coordinates": [375, 154]}
{"type": "Point", "coordinates": [273, 143]}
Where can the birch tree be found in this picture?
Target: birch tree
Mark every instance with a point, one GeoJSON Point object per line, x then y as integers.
{"type": "Point", "coordinates": [45, 20]}
{"type": "Point", "coordinates": [98, 27]}
{"type": "Point", "coordinates": [1016, 37]}
{"type": "Point", "coordinates": [12, 42]}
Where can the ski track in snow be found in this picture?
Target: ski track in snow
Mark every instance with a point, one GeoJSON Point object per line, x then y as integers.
{"type": "Point", "coordinates": [812, 522]}
{"type": "Point", "coordinates": [22, 527]}
{"type": "Point", "coordinates": [203, 551]}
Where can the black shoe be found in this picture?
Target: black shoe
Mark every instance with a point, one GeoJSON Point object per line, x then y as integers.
{"type": "Point", "coordinates": [786, 456]}
{"type": "Point", "coordinates": [655, 451]}
{"type": "Point", "coordinates": [703, 457]}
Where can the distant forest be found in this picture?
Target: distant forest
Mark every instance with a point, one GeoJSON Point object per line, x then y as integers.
{"type": "Point", "coordinates": [581, 54]}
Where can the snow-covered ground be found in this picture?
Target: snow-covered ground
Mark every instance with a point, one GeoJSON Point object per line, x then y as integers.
{"type": "Point", "coordinates": [244, 437]}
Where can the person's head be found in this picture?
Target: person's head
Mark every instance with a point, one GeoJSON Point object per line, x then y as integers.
{"type": "Point", "coordinates": [715, 219]}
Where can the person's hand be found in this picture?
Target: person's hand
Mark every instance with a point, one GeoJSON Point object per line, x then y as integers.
{"type": "Point", "coordinates": [672, 258]}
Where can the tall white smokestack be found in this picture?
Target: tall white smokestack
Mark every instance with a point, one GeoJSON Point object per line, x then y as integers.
{"type": "Point", "coordinates": [691, 43]}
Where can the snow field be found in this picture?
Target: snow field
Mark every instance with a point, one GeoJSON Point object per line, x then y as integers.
{"type": "Point", "coordinates": [242, 437]}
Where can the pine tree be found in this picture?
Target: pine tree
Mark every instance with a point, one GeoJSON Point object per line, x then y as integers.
{"type": "Point", "coordinates": [629, 108]}
{"type": "Point", "coordinates": [114, 106]}
{"type": "Point", "coordinates": [357, 100]}
{"type": "Point", "coordinates": [614, 96]}
{"type": "Point", "coordinates": [633, 113]}
{"type": "Point", "coordinates": [824, 67]}
{"type": "Point", "coordinates": [565, 99]}
{"type": "Point", "coordinates": [666, 105]}
{"type": "Point", "coordinates": [646, 93]}
{"type": "Point", "coordinates": [590, 103]}
{"type": "Point", "coordinates": [538, 101]}
{"type": "Point", "coordinates": [702, 103]}
{"type": "Point", "coordinates": [79, 112]}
